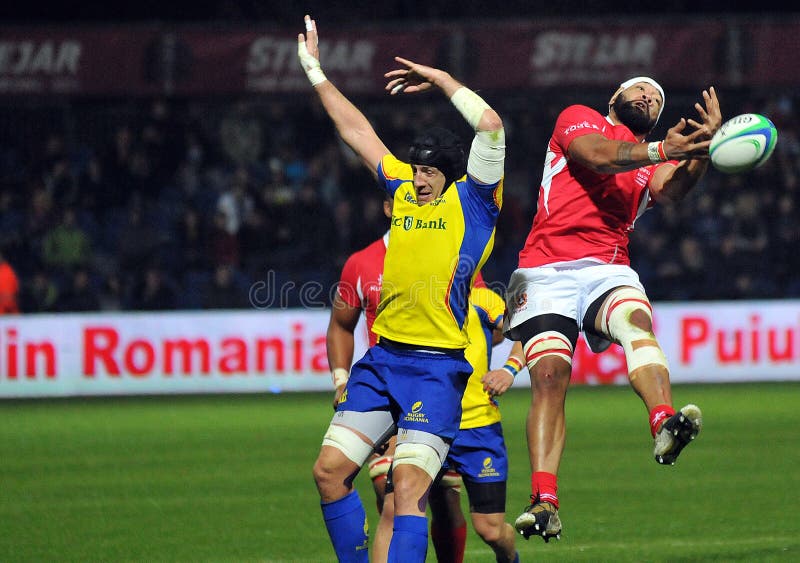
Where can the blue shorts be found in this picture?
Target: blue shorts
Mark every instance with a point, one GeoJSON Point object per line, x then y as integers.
{"type": "Point", "coordinates": [422, 390]}
{"type": "Point", "coordinates": [479, 454]}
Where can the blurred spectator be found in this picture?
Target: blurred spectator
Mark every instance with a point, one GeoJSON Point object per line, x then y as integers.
{"type": "Point", "coordinates": [191, 243]}
{"type": "Point", "coordinates": [256, 242]}
{"type": "Point", "coordinates": [162, 141]}
{"type": "Point", "coordinates": [9, 288]}
{"type": "Point", "coordinates": [12, 222]}
{"type": "Point", "coordinates": [80, 296]}
{"type": "Point", "coordinates": [236, 202]}
{"type": "Point", "coordinates": [111, 294]}
{"type": "Point", "coordinates": [40, 294]}
{"type": "Point", "coordinates": [136, 242]}
{"type": "Point", "coordinates": [224, 292]}
{"type": "Point", "coordinates": [223, 246]}
{"type": "Point", "coordinates": [40, 219]}
{"type": "Point", "coordinates": [240, 135]}
{"type": "Point", "coordinates": [154, 292]}
{"type": "Point", "coordinates": [67, 246]}
{"type": "Point", "coordinates": [116, 163]}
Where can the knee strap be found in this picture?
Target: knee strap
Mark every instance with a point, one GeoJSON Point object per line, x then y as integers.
{"type": "Point", "coordinates": [376, 426]}
{"type": "Point", "coordinates": [423, 449]}
{"type": "Point", "coordinates": [379, 466]}
{"type": "Point", "coordinates": [451, 480]}
{"type": "Point", "coordinates": [624, 313]}
{"type": "Point", "coordinates": [549, 343]}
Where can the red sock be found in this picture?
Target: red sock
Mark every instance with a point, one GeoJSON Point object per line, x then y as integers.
{"type": "Point", "coordinates": [449, 543]}
{"type": "Point", "coordinates": [658, 415]}
{"type": "Point", "coordinates": [545, 486]}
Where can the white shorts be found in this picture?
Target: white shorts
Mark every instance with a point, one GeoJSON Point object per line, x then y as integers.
{"type": "Point", "coordinates": [566, 289]}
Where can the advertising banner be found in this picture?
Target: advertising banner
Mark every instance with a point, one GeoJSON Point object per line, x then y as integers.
{"type": "Point", "coordinates": [210, 60]}
{"type": "Point", "coordinates": [595, 53]}
{"type": "Point", "coordinates": [240, 61]}
{"type": "Point", "coordinates": [105, 60]}
{"type": "Point", "coordinates": [284, 350]}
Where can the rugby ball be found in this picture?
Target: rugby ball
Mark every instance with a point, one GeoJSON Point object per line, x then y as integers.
{"type": "Point", "coordinates": [742, 143]}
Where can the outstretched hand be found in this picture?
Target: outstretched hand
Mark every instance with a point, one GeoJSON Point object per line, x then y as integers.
{"type": "Point", "coordinates": [414, 78]}
{"type": "Point", "coordinates": [308, 52]}
{"type": "Point", "coordinates": [312, 40]}
{"type": "Point", "coordinates": [681, 146]}
{"type": "Point", "coordinates": [710, 116]}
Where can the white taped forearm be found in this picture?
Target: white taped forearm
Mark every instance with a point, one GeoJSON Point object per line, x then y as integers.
{"type": "Point", "coordinates": [487, 156]}
{"type": "Point", "coordinates": [470, 105]}
{"type": "Point", "coordinates": [339, 376]}
{"type": "Point", "coordinates": [310, 64]}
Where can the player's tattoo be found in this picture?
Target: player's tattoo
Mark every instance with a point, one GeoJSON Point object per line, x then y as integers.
{"type": "Point", "coordinates": [624, 153]}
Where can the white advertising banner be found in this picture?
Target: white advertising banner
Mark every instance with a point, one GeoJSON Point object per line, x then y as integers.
{"type": "Point", "coordinates": [284, 350]}
{"type": "Point", "coordinates": [163, 352]}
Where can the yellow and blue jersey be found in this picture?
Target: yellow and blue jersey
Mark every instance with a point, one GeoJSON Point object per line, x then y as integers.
{"type": "Point", "coordinates": [435, 253]}
{"type": "Point", "coordinates": [485, 314]}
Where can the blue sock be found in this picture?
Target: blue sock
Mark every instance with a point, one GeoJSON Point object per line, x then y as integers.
{"type": "Point", "coordinates": [347, 526]}
{"type": "Point", "coordinates": [409, 540]}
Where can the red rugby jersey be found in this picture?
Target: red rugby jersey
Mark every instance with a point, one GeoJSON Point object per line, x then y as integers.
{"type": "Point", "coordinates": [582, 214]}
{"type": "Point", "coordinates": [360, 283]}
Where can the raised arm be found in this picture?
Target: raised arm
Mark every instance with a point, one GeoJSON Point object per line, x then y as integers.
{"type": "Point", "coordinates": [672, 183]}
{"type": "Point", "coordinates": [608, 156]}
{"type": "Point", "coordinates": [352, 125]}
{"type": "Point", "coordinates": [487, 155]}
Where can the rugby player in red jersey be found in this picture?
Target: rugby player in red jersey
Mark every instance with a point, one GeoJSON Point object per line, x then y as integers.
{"type": "Point", "coordinates": [574, 271]}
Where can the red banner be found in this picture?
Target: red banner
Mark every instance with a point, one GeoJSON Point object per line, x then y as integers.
{"type": "Point", "coordinates": [769, 54]}
{"type": "Point", "coordinates": [534, 55]}
{"type": "Point", "coordinates": [246, 61]}
{"type": "Point", "coordinates": [54, 60]}
{"type": "Point", "coordinates": [208, 60]}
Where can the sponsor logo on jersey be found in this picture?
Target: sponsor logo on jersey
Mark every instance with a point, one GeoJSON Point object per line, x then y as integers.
{"type": "Point", "coordinates": [410, 223]}
{"type": "Point", "coordinates": [578, 126]}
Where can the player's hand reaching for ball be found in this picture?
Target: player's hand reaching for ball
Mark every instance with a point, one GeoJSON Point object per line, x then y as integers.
{"type": "Point", "coordinates": [710, 115]}
{"type": "Point", "coordinates": [413, 78]}
{"type": "Point", "coordinates": [680, 145]}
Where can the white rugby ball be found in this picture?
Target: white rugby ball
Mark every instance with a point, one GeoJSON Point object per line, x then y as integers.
{"type": "Point", "coordinates": [742, 143]}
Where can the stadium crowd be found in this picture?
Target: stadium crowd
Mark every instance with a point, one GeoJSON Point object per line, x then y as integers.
{"type": "Point", "coordinates": [175, 204]}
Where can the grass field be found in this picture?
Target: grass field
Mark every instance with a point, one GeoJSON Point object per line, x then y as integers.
{"type": "Point", "coordinates": [228, 478]}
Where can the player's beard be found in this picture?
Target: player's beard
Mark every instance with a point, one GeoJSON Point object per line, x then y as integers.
{"type": "Point", "coordinates": [632, 117]}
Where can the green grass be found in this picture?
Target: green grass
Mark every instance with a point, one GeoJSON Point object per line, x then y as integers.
{"type": "Point", "coordinates": [228, 478]}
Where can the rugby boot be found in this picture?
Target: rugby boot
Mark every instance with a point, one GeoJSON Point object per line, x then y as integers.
{"type": "Point", "coordinates": [676, 433]}
{"type": "Point", "coordinates": [539, 519]}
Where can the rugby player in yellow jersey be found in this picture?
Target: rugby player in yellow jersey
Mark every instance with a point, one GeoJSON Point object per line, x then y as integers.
{"type": "Point", "coordinates": [478, 452]}
{"type": "Point", "coordinates": [412, 381]}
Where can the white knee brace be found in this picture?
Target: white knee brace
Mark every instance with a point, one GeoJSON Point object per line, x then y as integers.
{"type": "Point", "coordinates": [423, 449]}
{"type": "Point", "coordinates": [640, 344]}
{"type": "Point", "coordinates": [549, 343]}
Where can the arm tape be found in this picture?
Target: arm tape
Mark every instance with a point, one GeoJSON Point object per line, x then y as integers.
{"type": "Point", "coordinates": [470, 105]}
{"type": "Point", "coordinates": [339, 376]}
{"type": "Point", "coordinates": [487, 156]}
{"type": "Point", "coordinates": [310, 64]}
